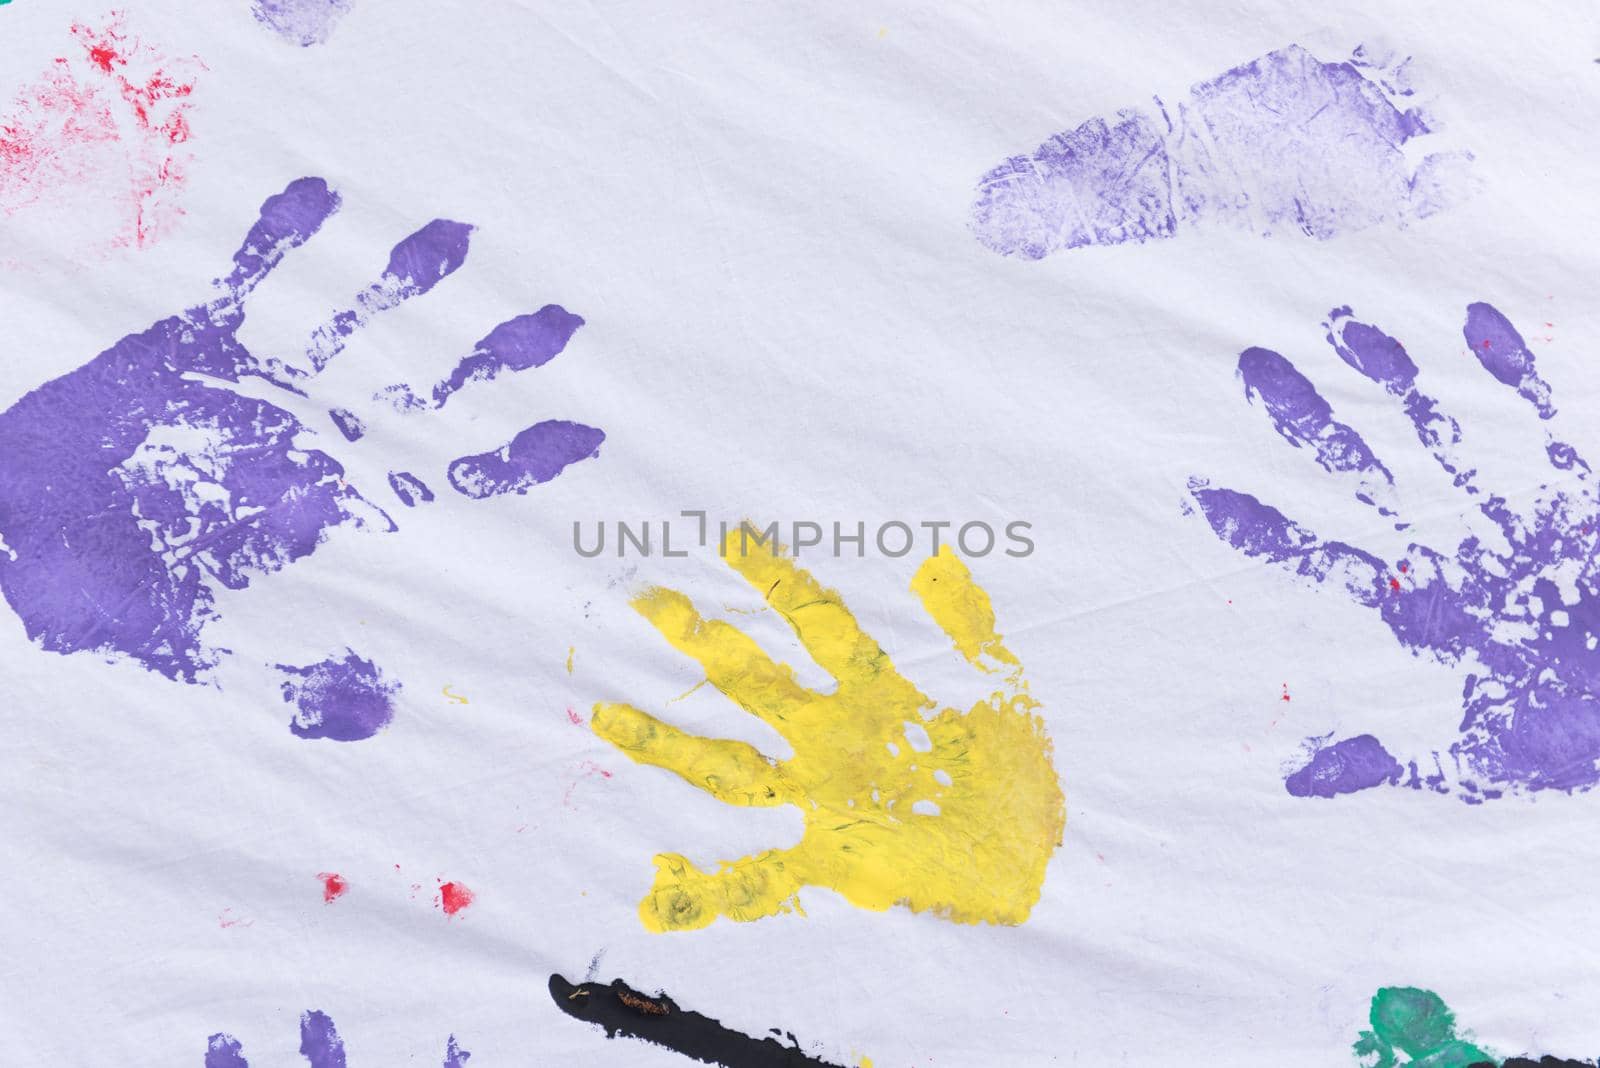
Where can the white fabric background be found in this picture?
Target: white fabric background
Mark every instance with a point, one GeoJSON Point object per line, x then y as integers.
{"type": "Point", "coordinates": [760, 212]}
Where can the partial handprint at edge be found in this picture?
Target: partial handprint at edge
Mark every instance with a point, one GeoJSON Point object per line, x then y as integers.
{"type": "Point", "coordinates": [320, 1045]}
{"type": "Point", "coordinates": [1523, 616]}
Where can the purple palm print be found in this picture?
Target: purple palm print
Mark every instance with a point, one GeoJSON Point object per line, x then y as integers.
{"type": "Point", "coordinates": [137, 485]}
{"type": "Point", "coordinates": [1520, 611]}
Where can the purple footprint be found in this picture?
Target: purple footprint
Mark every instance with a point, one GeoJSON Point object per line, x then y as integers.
{"type": "Point", "coordinates": [1523, 617]}
{"type": "Point", "coordinates": [135, 487]}
{"type": "Point", "coordinates": [1284, 143]}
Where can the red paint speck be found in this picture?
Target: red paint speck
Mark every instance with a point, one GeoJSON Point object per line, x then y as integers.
{"type": "Point", "coordinates": [333, 886]}
{"type": "Point", "coordinates": [1394, 584]}
{"type": "Point", "coordinates": [574, 717]}
{"type": "Point", "coordinates": [453, 897]}
{"type": "Point", "coordinates": [1285, 696]}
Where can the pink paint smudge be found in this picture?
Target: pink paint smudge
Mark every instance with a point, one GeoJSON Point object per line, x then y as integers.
{"type": "Point", "coordinates": [453, 897]}
{"type": "Point", "coordinates": [334, 886]}
{"type": "Point", "coordinates": [94, 151]}
{"type": "Point", "coordinates": [589, 769]}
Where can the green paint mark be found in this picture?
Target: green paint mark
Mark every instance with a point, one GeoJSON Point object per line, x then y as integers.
{"type": "Point", "coordinates": [1417, 1025]}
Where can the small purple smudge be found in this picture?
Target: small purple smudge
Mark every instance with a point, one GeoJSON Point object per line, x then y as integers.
{"type": "Point", "coordinates": [224, 1051]}
{"type": "Point", "coordinates": [535, 456]}
{"type": "Point", "coordinates": [1523, 617]}
{"type": "Point", "coordinates": [409, 488]}
{"type": "Point", "coordinates": [454, 1055]}
{"type": "Point", "coordinates": [1285, 142]}
{"type": "Point", "coordinates": [320, 1043]}
{"type": "Point", "coordinates": [349, 425]}
{"type": "Point", "coordinates": [301, 22]}
{"type": "Point", "coordinates": [343, 700]}
{"type": "Point", "coordinates": [1343, 768]}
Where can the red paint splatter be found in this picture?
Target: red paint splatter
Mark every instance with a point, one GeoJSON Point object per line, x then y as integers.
{"type": "Point", "coordinates": [1403, 569]}
{"type": "Point", "coordinates": [1394, 584]}
{"type": "Point", "coordinates": [1285, 696]}
{"type": "Point", "coordinates": [333, 886]}
{"type": "Point", "coordinates": [453, 897]}
{"type": "Point", "coordinates": [93, 151]}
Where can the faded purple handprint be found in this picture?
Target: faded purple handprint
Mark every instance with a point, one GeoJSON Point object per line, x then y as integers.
{"type": "Point", "coordinates": [135, 486]}
{"type": "Point", "coordinates": [320, 1045]}
{"type": "Point", "coordinates": [1521, 610]}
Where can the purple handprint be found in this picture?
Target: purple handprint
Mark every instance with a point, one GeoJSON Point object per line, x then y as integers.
{"type": "Point", "coordinates": [1522, 612]}
{"type": "Point", "coordinates": [135, 486]}
{"type": "Point", "coordinates": [320, 1045]}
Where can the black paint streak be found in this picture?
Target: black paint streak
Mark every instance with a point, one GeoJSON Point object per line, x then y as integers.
{"type": "Point", "coordinates": [1543, 1062]}
{"type": "Point", "coordinates": [622, 1010]}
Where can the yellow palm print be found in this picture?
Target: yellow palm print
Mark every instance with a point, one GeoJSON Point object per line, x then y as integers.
{"type": "Point", "coordinates": [979, 855]}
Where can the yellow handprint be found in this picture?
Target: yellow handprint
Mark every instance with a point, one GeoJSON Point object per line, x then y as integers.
{"type": "Point", "coordinates": [992, 812]}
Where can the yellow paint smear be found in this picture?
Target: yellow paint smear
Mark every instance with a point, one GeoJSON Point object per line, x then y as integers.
{"type": "Point", "coordinates": [457, 698]}
{"type": "Point", "coordinates": [572, 650]}
{"type": "Point", "coordinates": [975, 853]}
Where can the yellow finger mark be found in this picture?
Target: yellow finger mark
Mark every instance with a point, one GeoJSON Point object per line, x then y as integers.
{"type": "Point", "coordinates": [961, 608]}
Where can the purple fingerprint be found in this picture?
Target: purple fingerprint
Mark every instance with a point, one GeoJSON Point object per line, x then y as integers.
{"type": "Point", "coordinates": [349, 425]}
{"type": "Point", "coordinates": [1343, 768]}
{"type": "Point", "coordinates": [417, 264]}
{"type": "Point", "coordinates": [320, 1043]}
{"type": "Point", "coordinates": [409, 488]}
{"type": "Point", "coordinates": [536, 455]}
{"type": "Point", "coordinates": [1284, 143]}
{"type": "Point", "coordinates": [1302, 417]}
{"type": "Point", "coordinates": [515, 345]}
{"type": "Point", "coordinates": [454, 1055]}
{"type": "Point", "coordinates": [343, 700]}
{"type": "Point", "coordinates": [301, 22]}
{"type": "Point", "coordinates": [1503, 353]}
{"type": "Point", "coordinates": [224, 1051]}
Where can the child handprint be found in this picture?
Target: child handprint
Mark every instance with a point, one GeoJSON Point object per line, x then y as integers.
{"type": "Point", "coordinates": [1523, 614]}
{"type": "Point", "coordinates": [954, 812]}
{"type": "Point", "coordinates": [135, 486]}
